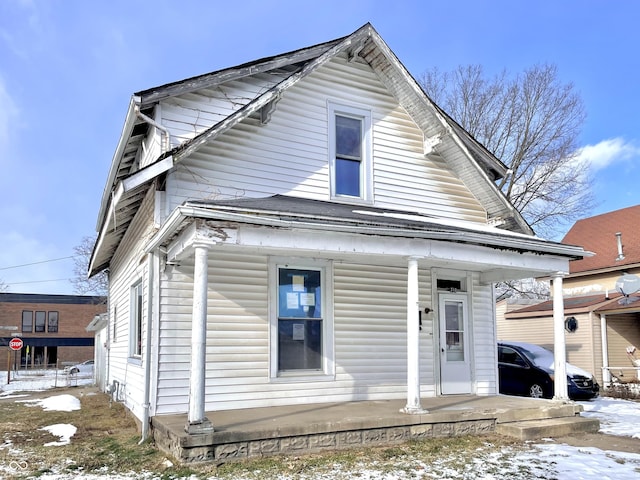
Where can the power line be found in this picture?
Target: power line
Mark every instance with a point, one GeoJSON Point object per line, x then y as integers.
{"type": "Point", "coordinates": [38, 263]}
{"type": "Point", "coordinates": [37, 281]}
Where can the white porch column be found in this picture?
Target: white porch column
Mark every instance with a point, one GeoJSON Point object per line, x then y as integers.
{"type": "Point", "coordinates": [413, 340]}
{"type": "Point", "coordinates": [606, 374]}
{"type": "Point", "coordinates": [197, 421]}
{"type": "Point", "coordinates": [559, 345]}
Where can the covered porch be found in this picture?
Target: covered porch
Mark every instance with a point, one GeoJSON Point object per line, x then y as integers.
{"type": "Point", "coordinates": [308, 428]}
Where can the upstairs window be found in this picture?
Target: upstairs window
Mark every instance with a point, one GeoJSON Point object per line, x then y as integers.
{"type": "Point", "coordinates": [27, 321]}
{"type": "Point", "coordinates": [350, 150]}
{"type": "Point", "coordinates": [40, 321]}
{"type": "Point", "coordinates": [53, 322]}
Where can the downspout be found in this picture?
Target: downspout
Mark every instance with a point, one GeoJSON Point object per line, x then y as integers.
{"type": "Point", "coordinates": [147, 353]}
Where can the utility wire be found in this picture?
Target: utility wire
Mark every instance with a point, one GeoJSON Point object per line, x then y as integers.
{"type": "Point", "coordinates": [37, 281]}
{"type": "Point", "coordinates": [38, 263]}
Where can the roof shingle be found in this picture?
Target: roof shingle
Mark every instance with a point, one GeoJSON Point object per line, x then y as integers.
{"type": "Point", "coordinates": [598, 235]}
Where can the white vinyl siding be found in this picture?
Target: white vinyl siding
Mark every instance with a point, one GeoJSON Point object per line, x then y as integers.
{"type": "Point", "coordinates": [370, 340]}
{"type": "Point", "coordinates": [482, 327]}
{"type": "Point", "coordinates": [290, 154]}
{"type": "Point", "coordinates": [128, 266]}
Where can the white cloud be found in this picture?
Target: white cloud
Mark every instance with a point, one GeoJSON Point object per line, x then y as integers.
{"type": "Point", "coordinates": [607, 152]}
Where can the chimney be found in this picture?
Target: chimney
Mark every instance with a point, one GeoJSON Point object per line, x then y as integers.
{"type": "Point", "coordinates": [619, 240]}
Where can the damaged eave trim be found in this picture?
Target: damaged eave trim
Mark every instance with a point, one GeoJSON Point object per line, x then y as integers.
{"type": "Point", "coordinates": [493, 241]}
{"type": "Point", "coordinates": [270, 95]}
{"type": "Point", "coordinates": [127, 129]}
{"type": "Point", "coordinates": [212, 79]}
{"type": "Point", "coordinates": [146, 174]}
{"type": "Point", "coordinates": [196, 233]}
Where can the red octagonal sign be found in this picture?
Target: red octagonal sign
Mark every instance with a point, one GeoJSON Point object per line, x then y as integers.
{"type": "Point", "coordinates": [15, 343]}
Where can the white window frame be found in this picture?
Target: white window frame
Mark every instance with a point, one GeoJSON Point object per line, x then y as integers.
{"type": "Point", "coordinates": [326, 284]}
{"type": "Point", "coordinates": [366, 164]}
{"type": "Point", "coordinates": [136, 312]}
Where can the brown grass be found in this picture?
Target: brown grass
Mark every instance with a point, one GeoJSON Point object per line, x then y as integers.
{"type": "Point", "coordinates": [107, 441]}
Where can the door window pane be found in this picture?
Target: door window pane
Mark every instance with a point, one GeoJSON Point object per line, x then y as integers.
{"type": "Point", "coordinates": [454, 334]}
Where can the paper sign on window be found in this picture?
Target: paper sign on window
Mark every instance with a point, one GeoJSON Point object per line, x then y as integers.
{"type": "Point", "coordinates": [307, 299]}
{"type": "Point", "coordinates": [298, 331]}
{"type": "Point", "coordinates": [292, 300]}
{"type": "Point", "coordinates": [297, 283]}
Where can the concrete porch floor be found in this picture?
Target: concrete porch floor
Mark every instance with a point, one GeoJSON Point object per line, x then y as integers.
{"type": "Point", "coordinates": [298, 429]}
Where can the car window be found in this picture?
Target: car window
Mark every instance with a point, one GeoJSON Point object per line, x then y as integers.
{"type": "Point", "coordinates": [510, 356]}
{"type": "Point", "coordinates": [539, 356]}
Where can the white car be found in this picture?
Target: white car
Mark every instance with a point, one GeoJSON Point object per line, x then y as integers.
{"type": "Point", "coordinates": [85, 368]}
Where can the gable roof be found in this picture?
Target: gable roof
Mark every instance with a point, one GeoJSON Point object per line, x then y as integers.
{"type": "Point", "coordinates": [598, 235]}
{"type": "Point", "coordinates": [126, 187]}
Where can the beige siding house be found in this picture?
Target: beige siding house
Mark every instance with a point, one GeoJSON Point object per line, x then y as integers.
{"type": "Point", "coordinates": [608, 322]}
{"type": "Point", "coordinates": [305, 228]}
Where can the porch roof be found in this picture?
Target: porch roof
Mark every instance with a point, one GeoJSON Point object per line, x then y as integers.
{"type": "Point", "coordinates": [346, 231]}
{"type": "Point", "coordinates": [385, 221]}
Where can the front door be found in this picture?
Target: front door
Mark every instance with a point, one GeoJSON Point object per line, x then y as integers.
{"type": "Point", "coordinates": [455, 365]}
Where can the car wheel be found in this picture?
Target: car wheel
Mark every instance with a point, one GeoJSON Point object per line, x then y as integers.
{"type": "Point", "coordinates": [73, 371]}
{"type": "Point", "coordinates": [536, 391]}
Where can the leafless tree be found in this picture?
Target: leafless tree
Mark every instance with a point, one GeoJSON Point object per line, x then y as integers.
{"type": "Point", "coordinates": [83, 285]}
{"type": "Point", "coordinates": [3, 286]}
{"type": "Point", "coordinates": [531, 122]}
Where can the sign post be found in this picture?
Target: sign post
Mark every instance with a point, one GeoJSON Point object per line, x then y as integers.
{"type": "Point", "coordinates": [15, 344]}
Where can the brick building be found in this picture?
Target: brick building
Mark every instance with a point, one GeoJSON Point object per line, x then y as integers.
{"type": "Point", "coordinates": [53, 327]}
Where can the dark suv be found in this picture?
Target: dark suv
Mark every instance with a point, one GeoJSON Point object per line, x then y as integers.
{"type": "Point", "coordinates": [527, 370]}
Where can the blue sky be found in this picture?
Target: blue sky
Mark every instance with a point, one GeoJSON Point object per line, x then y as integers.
{"type": "Point", "coordinates": [69, 67]}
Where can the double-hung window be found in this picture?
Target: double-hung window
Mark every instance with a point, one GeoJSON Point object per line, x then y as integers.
{"type": "Point", "coordinates": [301, 328]}
{"type": "Point", "coordinates": [350, 152]}
{"type": "Point", "coordinates": [135, 346]}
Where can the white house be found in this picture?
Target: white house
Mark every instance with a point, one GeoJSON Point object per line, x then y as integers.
{"type": "Point", "coordinates": [305, 228]}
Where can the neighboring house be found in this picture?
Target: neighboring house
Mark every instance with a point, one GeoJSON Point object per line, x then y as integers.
{"type": "Point", "coordinates": [52, 327]}
{"type": "Point", "coordinates": [304, 228]}
{"type": "Point", "coordinates": [99, 326]}
{"type": "Point", "coordinates": [607, 322]}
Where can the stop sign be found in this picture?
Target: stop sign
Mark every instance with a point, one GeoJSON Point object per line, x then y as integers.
{"type": "Point", "coordinates": [15, 343]}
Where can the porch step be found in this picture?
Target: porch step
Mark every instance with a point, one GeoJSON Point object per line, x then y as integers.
{"type": "Point", "coordinates": [550, 427]}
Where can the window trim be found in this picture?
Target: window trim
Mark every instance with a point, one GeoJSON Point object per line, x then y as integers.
{"type": "Point", "coordinates": [136, 310]}
{"type": "Point", "coordinates": [327, 371]}
{"type": "Point", "coordinates": [366, 164]}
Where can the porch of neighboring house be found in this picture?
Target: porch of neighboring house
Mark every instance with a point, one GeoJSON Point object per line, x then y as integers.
{"type": "Point", "coordinates": [309, 428]}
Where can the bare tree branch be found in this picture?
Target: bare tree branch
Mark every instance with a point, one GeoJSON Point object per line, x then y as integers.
{"type": "Point", "coordinates": [531, 122]}
{"type": "Point", "coordinates": [83, 285]}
